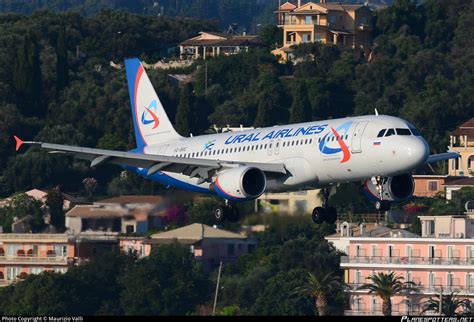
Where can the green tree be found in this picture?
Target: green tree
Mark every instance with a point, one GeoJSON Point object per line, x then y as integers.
{"type": "Point", "coordinates": [452, 305]}
{"type": "Point", "coordinates": [23, 205]}
{"type": "Point", "coordinates": [301, 108]}
{"type": "Point", "coordinates": [62, 66]}
{"type": "Point", "coordinates": [27, 77]}
{"type": "Point", "coordinates": [319, 287]}
{"type": "Point", "coordinates": [168, 282]}
{"type": "Point", "coordinates": [184, 113]}
{"type": "Point", "coordinates": [55, 202]}
{"type": "Point", "coordinates": [386, 286]}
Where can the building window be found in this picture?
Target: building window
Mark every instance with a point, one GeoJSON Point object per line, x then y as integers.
{"type": "Point", "coordinates": [468, 282]}
{"type": "Point", "coordinates": [13, 272]}
{"type": "Point", "coordinates": [318, 37]}
{"type": "Point", "coordinates": [36, 270]}
{"type": "Point", "coordinates": [12, 250]}
{"type": "Point", "coordinates": [307, 20]}
{"type": "Point", "coordinates": [250, 248]}
{"type": "Point", "coordinates": [431, 280]}
{"type": "Point", "coordinates": [332, 19]}
{"type": "Point", "coordinates": [432, 185]}
{"type": "Point", "coordinates": [358, 278]}
{"type": "Point", "coordinates": [230, 249]}
{"type": "Point", "coordinates": [363, 20]}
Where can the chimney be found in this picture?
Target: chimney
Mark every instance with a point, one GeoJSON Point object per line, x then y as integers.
{"type": "Point", "coordinates": [299, 3]}
{"type": "Point", "coordinates": [362, 228]}
{"type": "Point", "coordinates": [322, 1]}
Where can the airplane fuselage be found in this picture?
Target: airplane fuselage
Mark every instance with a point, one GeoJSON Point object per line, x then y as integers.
{"type": "Point", "coordinates": [315, 154]}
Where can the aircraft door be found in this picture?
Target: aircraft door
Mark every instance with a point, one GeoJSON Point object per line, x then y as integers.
{"type": "Point", "coordinates": [277, 147]}
{"type": "Point", "coordinates": [270, 148]}
{"type": "Point", "coordinates": [356, 145]}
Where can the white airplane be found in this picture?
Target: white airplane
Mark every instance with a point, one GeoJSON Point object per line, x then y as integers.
{"type": "Point", "coordinates": [379, 151]}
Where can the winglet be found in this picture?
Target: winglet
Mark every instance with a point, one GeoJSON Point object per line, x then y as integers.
{"type": "Point", "coordinates": [19, 142]}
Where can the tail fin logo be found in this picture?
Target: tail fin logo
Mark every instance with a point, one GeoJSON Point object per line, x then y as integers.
{"type": "Point", "coordinates": [150, 111]}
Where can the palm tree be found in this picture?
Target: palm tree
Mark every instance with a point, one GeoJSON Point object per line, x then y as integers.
{"type": "Point", "coordinates": [386, 286]}
{"type": "Point", "coordinates": [318, 287]}
{"type": "Point", "coordinates": [450, 304]}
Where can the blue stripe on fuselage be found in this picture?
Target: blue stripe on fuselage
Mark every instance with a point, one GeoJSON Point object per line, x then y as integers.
{"type": "Point", "coordinates": [166, 180]}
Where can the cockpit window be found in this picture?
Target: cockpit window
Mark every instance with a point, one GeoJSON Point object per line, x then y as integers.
{"type": "Point", "coordinates": [390, 132]}
{"type": "Point", "coordinates": [415, 131]}
{"type": "Point", "coordinates": [403, 132]}
{"type": "Point", "coordinates": [381, 133]}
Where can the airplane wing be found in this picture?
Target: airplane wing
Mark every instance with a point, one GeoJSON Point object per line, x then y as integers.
{"type": "Point", "coordinates": [442, 157]}
{"type": "Point", "coordinates": [192, 167]}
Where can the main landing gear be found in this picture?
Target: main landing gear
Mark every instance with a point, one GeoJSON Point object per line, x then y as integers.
{"type": "Point", "coordinates": [226, 212]}
{"type": "Point", "coordinates": [381, 205]}
{"type": "Point", "coordinates": [324, 213]}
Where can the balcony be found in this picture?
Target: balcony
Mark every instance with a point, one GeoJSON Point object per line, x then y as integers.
{"type": "Point", "coordinates": [52, 260]}
{"type": "Point", "coordinates": [401, 260]}
{"type": "Point", "coordinates": [397, 309]}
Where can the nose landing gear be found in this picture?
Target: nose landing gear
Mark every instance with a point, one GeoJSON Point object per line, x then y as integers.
{"type": "Point", "coordinates": [381, 205]}
{"type": "Point", "coordinates": [324, 213]}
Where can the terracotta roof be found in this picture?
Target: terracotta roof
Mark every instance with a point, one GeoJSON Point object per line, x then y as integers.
{"type": "Point", "coordinates": [467, 128]}
{"type": "Point", "coordinates": [229, 41]}
{"type": "Point", "coordinates": [461, 182]}
{"type": "Point", "coordinates": [196, 232]}
{"type": "Point", "coordinates": [341, 7]}
{"type": "Point", "coordinates": [306, 12]}
{"type": "Point", "coordinates": [132, 199]}
{"type": "Point", "coordinates": [287, 6]}
{"type": "Point", "coordinates": [97, 211]}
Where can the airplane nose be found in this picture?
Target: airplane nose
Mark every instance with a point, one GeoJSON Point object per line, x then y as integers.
{"type": "Point", "coordinates": [417, 151]}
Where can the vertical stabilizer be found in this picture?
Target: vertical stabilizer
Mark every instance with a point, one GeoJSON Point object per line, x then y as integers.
{"type": "Point", "coordinates": [152, 125]}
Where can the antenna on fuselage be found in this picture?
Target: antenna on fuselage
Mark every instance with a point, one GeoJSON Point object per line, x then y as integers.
{"type": "Point", "coordinates": [376, 112]}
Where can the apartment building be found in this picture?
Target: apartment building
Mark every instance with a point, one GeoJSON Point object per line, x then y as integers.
{"type": "Point", "coordinates": [24, 254]}
{"type": "Point", "coordinates": [326, 22]}
{"type": "Point", "coordinates": [462, 141]}
{"type": "Point", "coordinates": [440, 261]}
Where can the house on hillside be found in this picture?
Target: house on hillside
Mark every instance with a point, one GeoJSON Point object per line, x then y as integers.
{"type": "Point", "coordinates": [208, 244]}
{"type": "Point", "coordinates": [325, 22]}
{"type": "Point", "coordinates": [211, 44]}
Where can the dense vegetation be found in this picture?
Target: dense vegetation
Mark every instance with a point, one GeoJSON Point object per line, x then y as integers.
{"type": "Point", "coordinates": [170, 282]}
{"type": "Point", "coordinates": [421, 69]}
{"type": "Point", "coordinates": [247, 14]}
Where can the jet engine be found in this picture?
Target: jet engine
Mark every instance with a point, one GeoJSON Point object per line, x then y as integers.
{"type": "Point", "coordinates": [397, 188]}
{"type": "Point", "coordinates": [240, 183]}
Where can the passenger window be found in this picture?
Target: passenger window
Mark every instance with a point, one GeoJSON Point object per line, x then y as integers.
{"type": "Point", "coordinates": [403, 132]}
{"type": "Point", "coordinates": [390, 132]}
{"type": "Point", "coordinates": [381, 133]}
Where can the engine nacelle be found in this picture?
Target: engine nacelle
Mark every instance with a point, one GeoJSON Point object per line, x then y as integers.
{"type": "Point", "coordinates": [397, 188]}
{"type": "Point", "coordinates": [240, 183]}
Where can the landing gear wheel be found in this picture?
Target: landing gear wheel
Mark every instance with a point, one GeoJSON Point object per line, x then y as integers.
{"type": "Point", "coordinates": [382, 205]}
{"type": "Point", "coordinates": [318, 215]}
{"type": "Point", "coordinates": [331, 215]}
{"type": "Point", "coordinates": [220, 214]}
{"type": "Point", "coordinates": [234, 214]}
